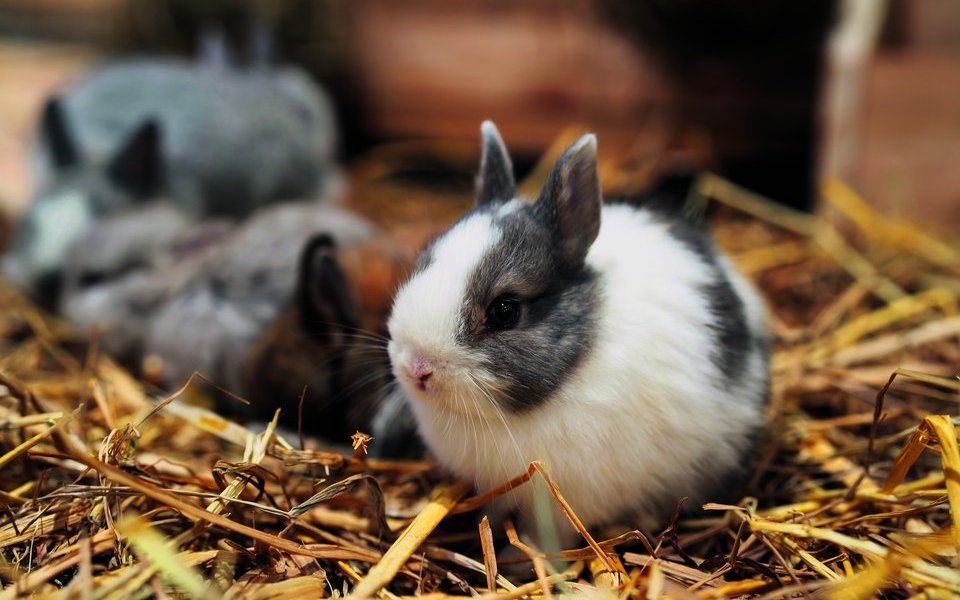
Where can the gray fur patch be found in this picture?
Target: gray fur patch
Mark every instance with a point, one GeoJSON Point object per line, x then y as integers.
{"type": "Point", "coordinates": [558, 315]}
{"type": "Point", "coordinates": [734, 341]}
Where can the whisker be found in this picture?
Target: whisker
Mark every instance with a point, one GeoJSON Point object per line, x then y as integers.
{"type": "Point", "coordinates": [379, 395]}
{"type": "Point", "coordinates": [372, 341]}
{"type": "Point", "coordinates": [353, 330]}
{"type": "Point", "coordinates": [359, 383]}
{"type": "Point", "coordinates": [362, 358]}
{"type": "Point", "coordinates": [516, 446]}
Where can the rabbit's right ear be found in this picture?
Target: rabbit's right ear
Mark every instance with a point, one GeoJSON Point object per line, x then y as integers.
{"type": "Point", "coordinates": [327, 305]}
{"type": "Point", "coordinates": [495, 180]}
{"type": "Point", "coordinates": [138, 166]}
{"type": "Point", "coordinates": [55, 135]}
{"type": "Point", "coordinates": [571, 201]}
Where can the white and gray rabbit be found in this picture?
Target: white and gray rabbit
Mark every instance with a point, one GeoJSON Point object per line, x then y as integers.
{"type": "Point", "coordinates": [611, 342]}
{"type": "Point", "coordinates": [213, 140]}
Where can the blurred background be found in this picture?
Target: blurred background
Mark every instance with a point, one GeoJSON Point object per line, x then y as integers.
{"type": "Point", "coordinates": [770, 94]}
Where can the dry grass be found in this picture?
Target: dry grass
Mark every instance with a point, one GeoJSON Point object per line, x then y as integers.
{"type": "Point", "coordinates": [108, 492]}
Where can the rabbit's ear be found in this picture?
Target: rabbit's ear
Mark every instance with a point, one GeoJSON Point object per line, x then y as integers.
{"type": "Point", "coordinates": [55, 134]}
{"type": "Point", "coordinates": [571, 201]}
{"type": "Point", "coordinates": [327, 304]}
{"type": "Point", "coordinates": [138, 166]}
{"type": "Point", "coordinates": [213, 50]}
{"type": "Point", "coordinates": [495, 182]}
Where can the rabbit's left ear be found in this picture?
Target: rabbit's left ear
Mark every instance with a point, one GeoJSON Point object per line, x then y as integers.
{"type": "Point", "coordinates": [55, 133]}
{"type": "Point", "coordinates": [495, 181]}
{"type": "Point", "coordinates": [327, 305]}
{"type": "Point", "coordinates": [571, 201]}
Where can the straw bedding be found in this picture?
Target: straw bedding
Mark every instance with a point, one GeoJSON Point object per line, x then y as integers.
{"type": "Point", "coordinates": [109, 489]}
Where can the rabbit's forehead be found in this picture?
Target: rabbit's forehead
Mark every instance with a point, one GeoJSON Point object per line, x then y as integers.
{"type": "Point", "coordinates": [463, 249]}
{"type": "Point", "coordinates": [523, 262]}
{"type": "Point", "coordinates": [428, 307]}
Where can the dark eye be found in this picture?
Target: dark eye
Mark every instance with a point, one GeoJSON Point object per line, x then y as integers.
{"type": "Point", "coordinates": [92, 278]}
{"type": "Point", "coordinates": [503, 313]}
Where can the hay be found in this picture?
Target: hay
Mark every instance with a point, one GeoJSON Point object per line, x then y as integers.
{"type": "Point", "coordinates": [108, 490]}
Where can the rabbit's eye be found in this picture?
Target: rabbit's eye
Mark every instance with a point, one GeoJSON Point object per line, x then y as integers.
{"type": "Point", "coordinates": [503, 313]}
{"type": "Point", "coordinates": [92, 278]}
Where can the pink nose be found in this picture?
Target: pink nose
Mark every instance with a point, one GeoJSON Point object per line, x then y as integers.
{"type": "Point", "coordinates": [421, 369]}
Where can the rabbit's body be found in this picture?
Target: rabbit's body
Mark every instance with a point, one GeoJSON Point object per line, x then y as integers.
{"type": "Point", "coordinates": [232, 139]}
{"type": "Point", "coordinates": [613, 344]}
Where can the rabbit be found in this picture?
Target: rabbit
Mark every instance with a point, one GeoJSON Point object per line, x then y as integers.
{"type": "Point", "coordinates": [66, 207]}
{"type": "Point", "coordinates": [212, 139]}
{"type": "Point", "coordinates": [120, 271]}
{"type": "Point", "coordinates": [611, 342]}
{"type": "Point", "coordinates": [234, 303]}
{"type": "Point", "coordinates": [283, 122]}
{"type": "Point", "coordinates": [327, 344]}
{"type": "Point", "coordinates": [239, 295]}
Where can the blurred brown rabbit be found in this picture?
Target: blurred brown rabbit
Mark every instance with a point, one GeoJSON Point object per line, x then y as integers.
{"type": "Point", "coordinates": [323, 361]}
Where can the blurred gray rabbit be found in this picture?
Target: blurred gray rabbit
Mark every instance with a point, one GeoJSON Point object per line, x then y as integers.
{"type": "Point", "coordinates": [212, 139]}
{"type": "Point", "coordinates": [262, 308]}
{"type": "Point", "coordinates": [211, 322]}
{"type": "Point", "coordinates": [123, 267]}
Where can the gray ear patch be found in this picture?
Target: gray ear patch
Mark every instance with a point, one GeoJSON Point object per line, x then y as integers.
{"type": "Point", "coordinates": [495, 180]}
{"type": "Point", "coordinates": [571, 200]}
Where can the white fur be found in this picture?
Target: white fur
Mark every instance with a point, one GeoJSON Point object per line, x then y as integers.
{"type": "Point", "coordinates": [644, 419]}
{"type": "Point", "coordinates": [510, 207]}
{"type": "Point", "coordinates": [58, 221]}
{"type": "Point", "coordinates": [426, 313]}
